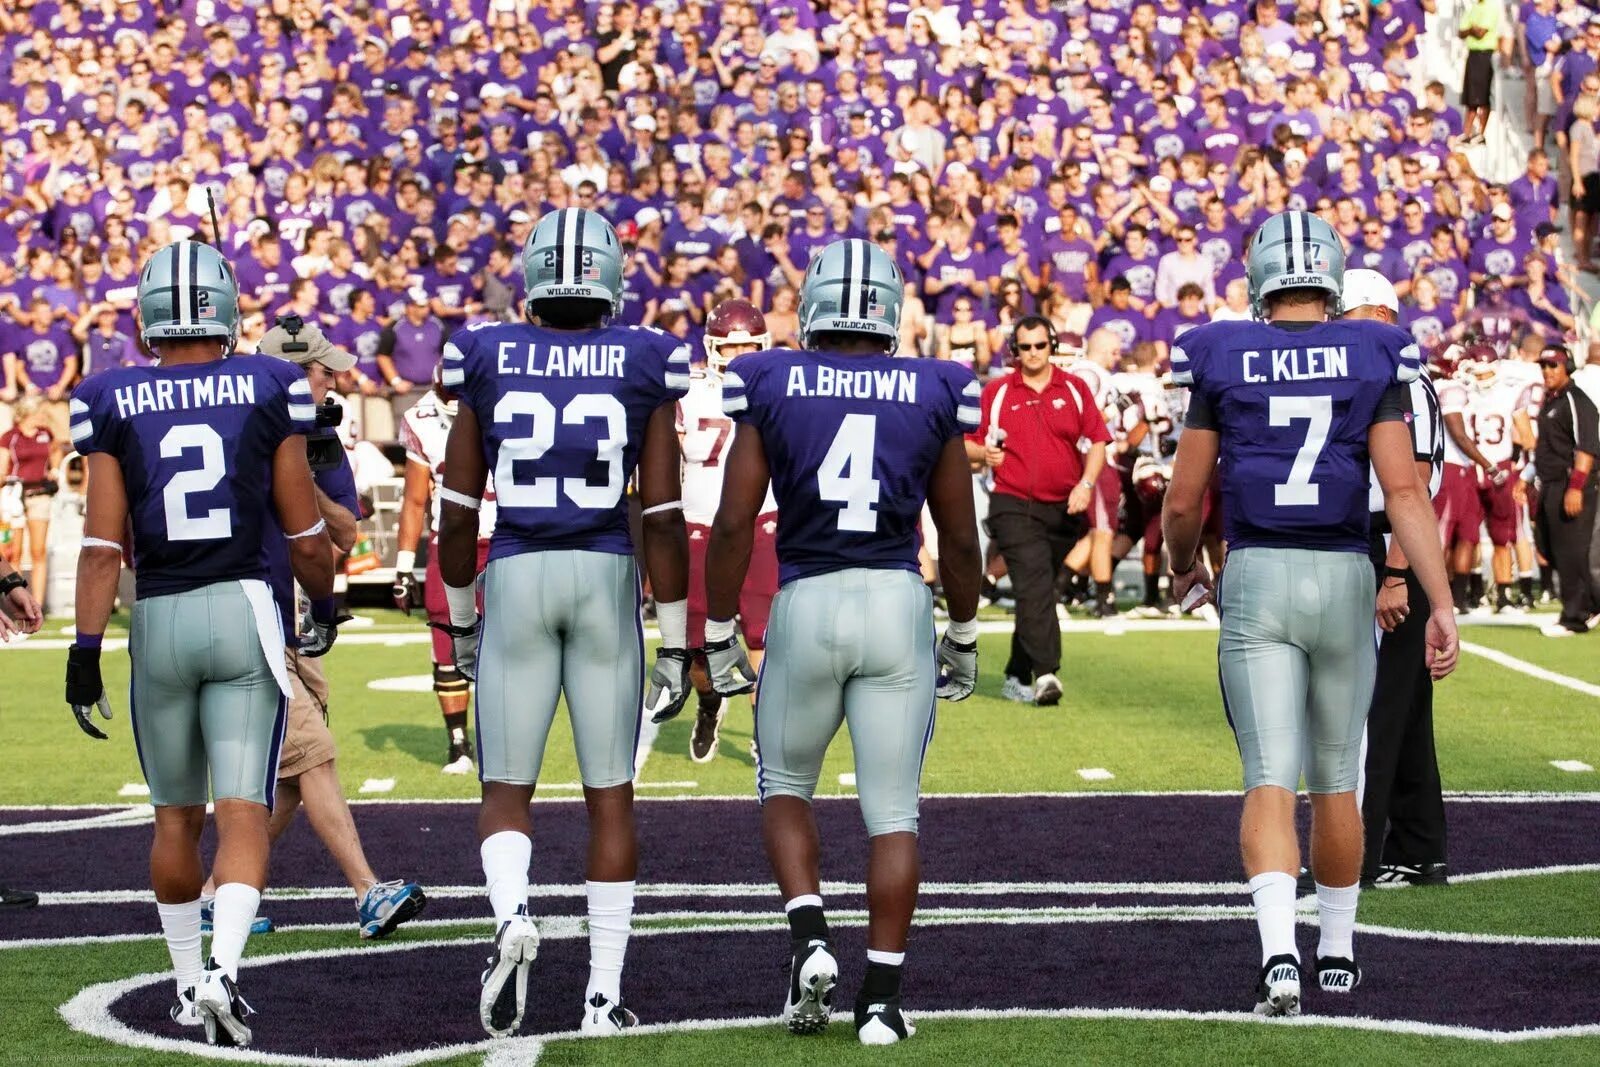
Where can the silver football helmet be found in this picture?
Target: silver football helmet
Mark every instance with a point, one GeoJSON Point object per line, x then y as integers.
{"type": "Point", "coordinates": [1295, 250]}
{"type": "Point", "coordinates": [574, 252]}
{"type": "Point", "coordinates": [852, 286]}
{"type": "Point", "coordinates": [188, 290]}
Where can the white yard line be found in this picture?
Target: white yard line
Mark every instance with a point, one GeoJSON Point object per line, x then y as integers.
{"type": "Point", "coordinates": [1532, 670]}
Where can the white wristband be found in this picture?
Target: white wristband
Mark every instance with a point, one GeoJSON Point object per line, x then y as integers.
{"type": "Point", "coordinates": [463, 601]}
{"type": "Point", "coordinates": [100, 542]}
{"type": "Point", "coordinates": [671, 505]}
{"type": "Point", "coordinates": [405, 562]}
{"type": "Point", "coordinates": [962, 632]}
{"type": "Point", "coordinates": [673, 621]}
{"type": "Point", "coordinates": [450, 496]}
{"type": "Point", "coordinates": [719, 629]}
{"type": "Point", "coordinates": [311, 532]}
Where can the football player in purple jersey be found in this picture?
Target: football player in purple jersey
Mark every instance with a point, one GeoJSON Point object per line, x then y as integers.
{"type": "Point", "coordinates": [564, 408]}
{"type": "Point", "coordinates": [853, 441]}
{"type": "Point", "coordinates": [199, 454]}
{"type": "Point", "coordinates": [1294, 406]}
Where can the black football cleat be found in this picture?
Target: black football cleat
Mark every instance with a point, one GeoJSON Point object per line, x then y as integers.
{"type": "Point", "coordinates": [1278, 990]}
{"type": "Point", "coordinates": [1413, 874]}
{"type": "Point", "coordinates": [1336, 974]}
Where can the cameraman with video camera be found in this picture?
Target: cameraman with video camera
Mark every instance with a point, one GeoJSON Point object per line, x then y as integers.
{"type": "Point", "coordinates": [306, 773]}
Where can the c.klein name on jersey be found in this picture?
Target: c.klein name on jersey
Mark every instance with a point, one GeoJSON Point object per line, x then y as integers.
{"type": "Point", "coordinates": [557, 361]}
{"type": "Point", "coordinates": [1295, 365]}
{"type": "Point", "coordinates": [223, 390]}
{"type": "Point", "coordinates": [897, 385]}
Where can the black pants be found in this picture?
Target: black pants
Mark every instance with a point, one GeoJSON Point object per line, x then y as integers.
{"type": "Point", "coordinates": [1565, 543]}
{"type": "Point", "coordinates": [1033, 539]}
{"type": "Point", "coordinates": [1403, 806]}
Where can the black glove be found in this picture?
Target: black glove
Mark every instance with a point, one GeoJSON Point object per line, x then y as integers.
{"type": "Point", "coordinates": [320, 629]}
{"type": "Point", "coordinates": [668, 691]}
{"type": "Point", "coordinates": [85, 690]}
{"type": "Point", "coordinates": [404, 590]}
{"type": "Point", "coordinates": [464, 640]}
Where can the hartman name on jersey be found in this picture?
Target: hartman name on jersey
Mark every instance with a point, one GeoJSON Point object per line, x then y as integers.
{"type": "Point", "coordinates": [222, 391]}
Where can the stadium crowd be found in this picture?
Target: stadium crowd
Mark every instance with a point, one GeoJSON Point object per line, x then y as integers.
{"type": "Point", "coordinates": [377, 167]}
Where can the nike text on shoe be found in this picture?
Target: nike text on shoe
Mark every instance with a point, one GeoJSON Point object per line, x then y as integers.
{"type": "Point", "coordinates": [881, 1022]}
{"type": "Point", "coordinates": [602, 1018]}
{"type": "Point", "coordinates": [221, 1008]}
{"type": "Point", "coordinates": [813, 972]}
{"type": "Point", "coordinates": [1278, 991]}
{"type": "Point", "coordinates": [1047, 690]}
{"type": "Point", "coordinates": [703, 741]}
{"type": "Point", "coordinates": [1017, 691]}
{"type": "Point", "coordinates": [388, 904]}
{"type": "Point", "coordinates": [1336, 974]}
{"type": "Point", "coordinates": [505, 980]}
{"type": "Point", "coordinates": [183, 1010]}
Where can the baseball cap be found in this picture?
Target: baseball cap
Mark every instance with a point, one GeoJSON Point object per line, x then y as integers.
{"type": "Point", "coordinates": [645, 216]}
{"type": "Point", "coordinates": [519, 216]}
{"type": "Point", "coordinates": [1294, 155]}
{"type": "Point", "coordinates": [1368, 288]}
{"type": "Point", "coordinates": [409, 137]}
{"type": "Point", "coordinates": [1161, 184]}
{"type": "Point", "coordinates": [1503, 212]}
{"type": "Point", "coordinates": [1377, 83]}
{"type": "Point", "coordinates": [493, 91]}
{"type": "Point", "coordinates": [417, 294]}
{"type": "Point", "coordinates": [644, 122]}
{"type": "Point", "coordinates": [318, 349]}
{"type": "Point", "coordinates": [1545, 229]}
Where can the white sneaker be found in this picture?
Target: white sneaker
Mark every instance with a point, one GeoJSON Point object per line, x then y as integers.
{"type": "Point", "coordinates": [1047, 690]}
{"type": "Point", "coordinates": [1555, 629]}
{"type": "Point", "coordinates": [602, 1018]}
{"type": "Point", "coordinates": [505, 981]}
{"type": "Point", "coordinates": [1016, 691]}
{"type": "Point", "coordinates": [812, 975]}
{"type": "Point", "coordinates": [221, 1009]}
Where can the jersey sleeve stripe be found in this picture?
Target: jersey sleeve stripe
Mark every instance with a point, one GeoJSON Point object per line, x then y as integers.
{"type": "Point", "coordinates": [973, 390]}
{"type": "Point", "coordinates": [1409, 368]}
{"type": "Point", "coordinates": [680, 355]}
{"type": "Point", "coordinates": [968, 417]}
{"type": "Point", "coordinates": [1182, 377]}
{"type": "Point", "coordinates": [732, 405]}
{"type": "Point", "coordinates": [81, 431]}
{"type": "Point", "coordinates": [78, 407]}
{"type": "Point", "coordinates": [303, 412]}
{"type": "Point", "coordinates": [452, 354]}
{"type": "Point", "coordinates": [300, 388]}
{"type": "Point", "coordinates": [677, 381]}
{"type": "Point", "coordinates": [452, 377]}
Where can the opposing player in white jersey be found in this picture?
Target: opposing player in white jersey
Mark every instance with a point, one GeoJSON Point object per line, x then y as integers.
{"type": "Point", "coordinates": [1457, 504]}
{"type": "Point", "coordinates": [424, 431]}
{"type": "Point", "coordinates": [734, 328]}
{"type": "Point", "coordinates": [1094, 368]}
{"type": "Point", "coordinates": [1498, 412]}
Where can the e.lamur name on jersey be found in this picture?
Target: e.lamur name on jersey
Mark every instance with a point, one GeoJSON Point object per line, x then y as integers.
{"type": "Point", "coordinates": [221, 390]}
{"type": "Point", "coordinates": [537, 360]}
{"type": "Point", "coordinates": [1293, 365]}
{"type": "Point", "coordinates": [824, 381]}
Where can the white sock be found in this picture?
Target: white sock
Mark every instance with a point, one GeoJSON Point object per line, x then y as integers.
{"type": "Point", "coordinates": [506, 856]}
{"type": "Point", "coordinates": [804, 900]}
{"type": "Point", "coordinates": [892, 959]}
{"type": "Point", "coordinates": [236, 905]}
{"type": "Point", "coordinates": [180, 925]}
{"type": "Point", "coordinates": [610, 923]}
{"type": "Point", "coordinates": [1273, 893]}
{"type": "Point", "coordinates": [1337, 909]}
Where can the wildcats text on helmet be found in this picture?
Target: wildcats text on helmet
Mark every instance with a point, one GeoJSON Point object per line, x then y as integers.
{"type": "Point", "coordinates": [1293, 365]}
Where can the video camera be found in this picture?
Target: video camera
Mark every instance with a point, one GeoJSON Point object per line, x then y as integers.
{"type": "Point", "coordinates": [324, 450]}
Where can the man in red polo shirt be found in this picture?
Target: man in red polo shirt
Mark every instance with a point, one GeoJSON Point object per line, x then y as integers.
{"type": "Point", "coordinates": [1042, 435]}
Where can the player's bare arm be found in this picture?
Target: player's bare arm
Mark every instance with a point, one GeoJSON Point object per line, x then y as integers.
{"type": "Point", "coordinates": [666, 542]}
{"type": "Point", "coordinates": [1455, 424]}
{"type": "Point", "coordinates": [1415, 528]}
{"type": "Point", "coordinates": [295, 498]}
{"type": "Point", "coordinates": [464, 480]}
{"type": "Point", "coordinates": [950, 503]}
{"type": "Point", "coordinates": [1183, 510]}
{"type": "Point", "coordinates": [100, 561]}
{"type": "Point", "coordinates": [744, 489]}
{"type": "Point", "coordinates": [342, 530]}
{"type": "Point", "coordinates": [1393, 603]}
{"type": "Point", "coordinates": [413, 506]}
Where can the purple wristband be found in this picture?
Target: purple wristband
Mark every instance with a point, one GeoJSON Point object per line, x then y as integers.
{"type": "Point", "coordinates": [322, 610]}
{"type": "Point", "coordinates": [83, 640]}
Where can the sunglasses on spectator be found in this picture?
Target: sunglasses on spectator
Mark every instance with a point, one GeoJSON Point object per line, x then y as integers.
{"type": "Point", "coordinates": [1042, 346]}
{"type": "Point", "coordinates": [1374, 232]}
{"type": "Point", "coordinates": [963, 309]}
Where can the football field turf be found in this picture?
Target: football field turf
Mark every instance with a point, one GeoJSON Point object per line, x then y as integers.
{"type": "Point", "coordinates": [1056, 925]}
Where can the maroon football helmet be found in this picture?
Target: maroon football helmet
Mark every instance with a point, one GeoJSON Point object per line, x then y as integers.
{"type": "Point", "coordinates": [1150, 480]}
{"type": "Point", "coordinates": [734, 322]}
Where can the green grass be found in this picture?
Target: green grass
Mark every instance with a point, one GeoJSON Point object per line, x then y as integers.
{"type": "Point", "coordinates": [1142, 705]}
{"type": "Point", "coordinates": [1576, 657]}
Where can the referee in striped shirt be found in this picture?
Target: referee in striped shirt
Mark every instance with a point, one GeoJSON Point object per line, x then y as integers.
{"type": "Point", "coordinates": [1402, 803]}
